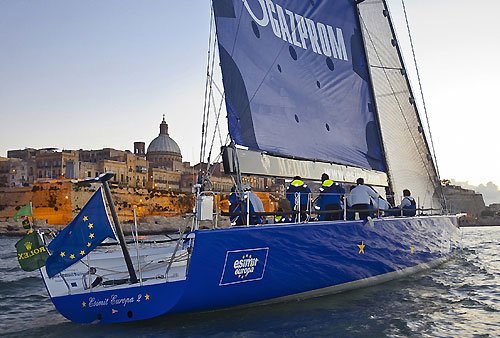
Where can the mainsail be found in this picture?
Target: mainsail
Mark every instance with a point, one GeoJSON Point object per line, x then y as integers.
{"type": "Point", "coordinates": [296, 82]}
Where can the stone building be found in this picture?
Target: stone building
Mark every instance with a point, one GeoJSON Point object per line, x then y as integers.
{"type": "Point", "coordinates": [165, 161]}
{"type": "Point", "coordinates": [163, 152]}
{"type": "Point", "coordinates": [4, 171]}
{"type": "Point", "coordinates": [27, 156]}
{"type": "Point", "coordinates": [56, 164]}
{"type": "Point", "coordinates": [160, 167]}
{"type": "Point", "coordinates": [460, 200]}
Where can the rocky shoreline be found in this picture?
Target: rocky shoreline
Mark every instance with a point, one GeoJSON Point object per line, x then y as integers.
{"type": "Point", "coordinates": [153, 225]}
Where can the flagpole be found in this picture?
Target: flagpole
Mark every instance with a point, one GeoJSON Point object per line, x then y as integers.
{"type": "Point", "coordinates": [137, 247]}
{"type": "Point", "coordinates": [31, 208]}
{"type": "Point", "coordinates": [119, 233]}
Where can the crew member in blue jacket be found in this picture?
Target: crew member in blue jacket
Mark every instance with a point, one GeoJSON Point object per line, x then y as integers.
{"type": "Point", "coordinates": [298, 186]}
{"type": "Point", "coordinates": [329, 199]}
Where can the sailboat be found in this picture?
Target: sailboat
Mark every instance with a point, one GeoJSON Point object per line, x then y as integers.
{"type": "Point", "coordinates": [310, 87]}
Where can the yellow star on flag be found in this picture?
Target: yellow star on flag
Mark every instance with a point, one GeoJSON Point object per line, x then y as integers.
{"type": "Point", "coordinates": [88, 244]}
{"type": "Point", "coordinates": [72, 256]}
{"type": "Point", "coordinates": [91, 225]}
{"type": "Point", "coordinates": [84, 304]}
{"type": "Point", "coordinates": [146, 296]}
{"type": "Point", "coordinates": [85, 218]}
{"type": "Point", "coordinates": [91, 235]}
{"type": "Point", "coordinates": [361, 247]}
{"type": "Point", "coordinates": [412, 249]}
{"type": "Point", "coordinates": [63, 254]}
{"type": "Point", "coordinates": [82, 252]}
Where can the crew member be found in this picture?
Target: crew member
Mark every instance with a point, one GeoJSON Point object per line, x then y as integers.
{"type": "Point", "coordinates": [382, 206]}
{"type": "Point", "coordinates": [297, 186]}
{"type": "Point", "coordinates": [329, 199]}
{"type": "Point", "coordinates": [281, 218]}
{"type": "Point", "coordinates": [255, 204]}
{"type": "Point", "coordinates": [360, 198]}
{"type": "Point", "coordinates": [408, 204]}
{"type": "Point", "coordinates": [237, 205]}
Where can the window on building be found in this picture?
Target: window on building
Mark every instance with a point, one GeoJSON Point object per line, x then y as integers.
{"type": "Point", "coordinates": [121, 178]}
{"type": "Point", "coordinates": [89, 174]}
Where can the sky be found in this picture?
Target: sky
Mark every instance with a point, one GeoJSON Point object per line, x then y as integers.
{"type": "Point", "coordinates": [101, 73]}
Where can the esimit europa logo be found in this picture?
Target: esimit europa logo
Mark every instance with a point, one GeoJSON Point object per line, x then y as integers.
{"type": "Point", "coordinates": [244, 266]}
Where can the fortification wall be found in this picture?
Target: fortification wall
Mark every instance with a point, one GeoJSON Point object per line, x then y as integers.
{"type": "Point", "coordinates": [58, 202]}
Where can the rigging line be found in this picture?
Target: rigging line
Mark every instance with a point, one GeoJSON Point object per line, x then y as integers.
{"type": "Point", "coordinates": [210, 77]}
{"type": "Point", "coordinates": [208, 98]}
{"type": "Point", "coordinates": [217, 126]}
{"type": "Point", "coordinates": [206, 82]}
{"type": "Point", "coordinates": [217, 87]}
{"type": "Point", "coordinates": [215, 129]}
{"type": "Point", "coordinates": [420, 85]}
{"type": "Point", "coordinates": [223, 95]}
{"type": "Point", "coordinates": [396, 98]}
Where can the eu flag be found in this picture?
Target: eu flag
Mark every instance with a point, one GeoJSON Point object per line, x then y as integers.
{"type": "Point", "coordinates": [87, 230]}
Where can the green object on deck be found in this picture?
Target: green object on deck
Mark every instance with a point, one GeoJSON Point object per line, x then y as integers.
{"type": "Point", "coordinates": [31, 252]}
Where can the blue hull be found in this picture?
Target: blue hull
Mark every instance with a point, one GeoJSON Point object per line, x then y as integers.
{"type": "Point", "coordinates": [245, 265]}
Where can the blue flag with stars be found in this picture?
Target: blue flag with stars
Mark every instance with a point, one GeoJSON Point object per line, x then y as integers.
{"type": "Point", "coordinates": [87, 230]}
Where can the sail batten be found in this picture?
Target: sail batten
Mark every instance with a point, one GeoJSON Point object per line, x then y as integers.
{"type": "Point", "coordinates": [296, 80]}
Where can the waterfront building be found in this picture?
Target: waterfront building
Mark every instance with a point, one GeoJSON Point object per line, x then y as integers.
{"type": "Point", "coordinates": [460, 200]}
{"type": "Point", "coordinates": [160, 167]}
{"type": "Point", "coordinates": [4, 171]}
{"type": "Point", "coordinates": [56, 164]}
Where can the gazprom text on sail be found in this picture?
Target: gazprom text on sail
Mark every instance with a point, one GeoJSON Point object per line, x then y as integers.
{"type": "Point", "coordinates": [297, 29]}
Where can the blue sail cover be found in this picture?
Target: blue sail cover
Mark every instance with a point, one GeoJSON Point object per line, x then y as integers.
{"type": "Point", "coordinates": [296, 80]}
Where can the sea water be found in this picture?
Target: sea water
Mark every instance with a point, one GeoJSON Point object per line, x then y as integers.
{"type": "Point", "coordinates": [460, 298]}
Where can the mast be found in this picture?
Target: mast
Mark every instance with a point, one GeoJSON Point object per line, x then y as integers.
{"type": "Point", "coordinates": [372, 92]}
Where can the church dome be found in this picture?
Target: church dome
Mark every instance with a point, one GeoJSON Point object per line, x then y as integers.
{"type": "Point", "coordinates": [163, 143]}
